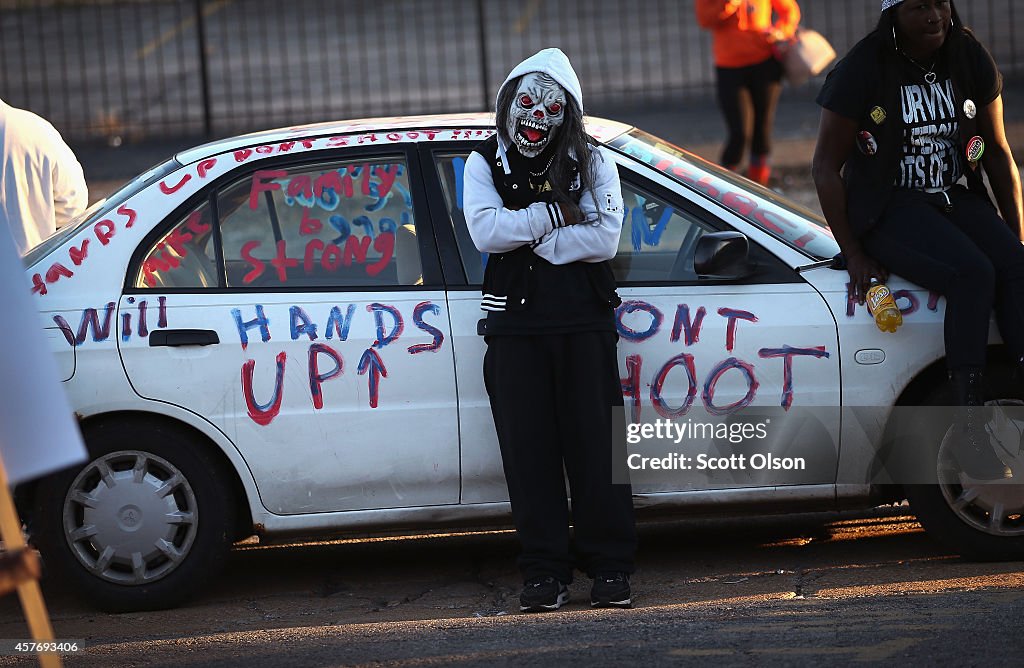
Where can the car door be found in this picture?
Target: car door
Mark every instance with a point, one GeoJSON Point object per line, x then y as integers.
{"type": "Point", "coordinates": [744, 365]}
{"type": "Point", "coordinates": [297, 306]}
{"type": "Point", "coordinates": [483, 479]}
{"type": "Point", "coordinates": [730, 350]}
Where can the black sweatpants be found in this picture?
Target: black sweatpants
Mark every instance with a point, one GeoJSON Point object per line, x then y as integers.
{"type": "Point", "coordinates": [552, 398]}
{"type": "Point", "coordinates": [747, 97]}
{"type": "Point", "coordinates": [969, 256]}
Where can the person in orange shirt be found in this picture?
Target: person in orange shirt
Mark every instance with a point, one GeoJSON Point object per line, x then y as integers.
{"type": "Point", "coordinates": [749, 77]}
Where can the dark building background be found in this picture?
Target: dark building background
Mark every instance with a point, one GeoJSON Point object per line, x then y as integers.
{"type": "Point", "coordinates": [131, 70]}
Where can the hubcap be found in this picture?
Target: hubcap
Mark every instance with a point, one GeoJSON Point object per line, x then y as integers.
{"type": "Point", "coordinates": [130, 517]}
{"type": "Point", "coordinates": [996, 508]}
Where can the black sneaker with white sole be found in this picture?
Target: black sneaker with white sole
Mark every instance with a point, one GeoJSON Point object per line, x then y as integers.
{"type": "Point", "coordinates": [611, 590]}
{"type": "Point", "coordinates": [542, 594]}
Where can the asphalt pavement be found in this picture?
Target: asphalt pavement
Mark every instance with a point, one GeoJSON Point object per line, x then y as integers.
{"type": "Point", "coordinates": [804, 590]}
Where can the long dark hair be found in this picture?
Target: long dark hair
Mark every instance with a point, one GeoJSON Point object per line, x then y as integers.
{"type": "Point", "coordinates": [570, 140]}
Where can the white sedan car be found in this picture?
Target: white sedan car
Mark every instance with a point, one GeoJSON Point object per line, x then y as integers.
{"type": "Point", "coordinates": [277, 334]}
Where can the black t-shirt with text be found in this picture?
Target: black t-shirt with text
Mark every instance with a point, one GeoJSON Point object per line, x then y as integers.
{"type": "Point", "coordinates": [929, 156]}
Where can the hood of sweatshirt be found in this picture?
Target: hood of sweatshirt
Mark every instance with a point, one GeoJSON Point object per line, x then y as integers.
{"type": "Point", "coordinates": [553, 63]}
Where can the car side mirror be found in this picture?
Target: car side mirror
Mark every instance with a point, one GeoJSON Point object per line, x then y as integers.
{"type": "Point", "coordinates": [722, 255]}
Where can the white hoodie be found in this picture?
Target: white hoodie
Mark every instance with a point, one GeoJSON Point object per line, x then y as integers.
{"type": "Point", "coordinates": [496, 229]}
{"type": "Point", "coordinates": [553, 63]}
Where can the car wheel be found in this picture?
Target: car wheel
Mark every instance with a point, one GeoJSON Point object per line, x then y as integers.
{"type": "Point", "coordinates": [980, 521]}
{"type": "Point", "coordinates": [142, 525]}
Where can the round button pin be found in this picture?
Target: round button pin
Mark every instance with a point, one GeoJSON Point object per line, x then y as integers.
{"type": "Point", "coordinates": [975, 149]}
{"type": "Point", "coordinates": [866, 143]}
{"type": "Point", "coordinates": [970, 109]}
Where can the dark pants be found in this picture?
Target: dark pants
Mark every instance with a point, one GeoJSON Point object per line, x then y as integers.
{"type": "Point", "coordinates": [552, 398]}
{"type": "Point", "coordinates": [969, 256]}
{"type": "Point", "coordinates": [747, 97]}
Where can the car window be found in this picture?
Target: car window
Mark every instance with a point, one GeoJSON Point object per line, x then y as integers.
{"type": "Point", "coordinates": [658, 240]}
{"type": "Point", "coordinates": [788, 222]}
{"type": "Point", "coordinates": [184, 257]}
{"type": "Point", "coordinates": [338, 224]}
{"type": "Point", "coordinates": [100, 209]}
{"type": "Point", "coordinates": [450, 167]}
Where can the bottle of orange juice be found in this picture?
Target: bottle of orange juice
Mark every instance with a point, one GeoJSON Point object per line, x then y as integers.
{"type": "Point", "coordinates": [883, 307]}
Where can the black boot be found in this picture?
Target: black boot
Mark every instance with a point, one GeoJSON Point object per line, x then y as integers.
{"type": "Point", "coordinates": [971, 446]}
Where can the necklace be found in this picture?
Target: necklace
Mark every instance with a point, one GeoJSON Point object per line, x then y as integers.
{"type": "Point", "coordinates": [929, 73]}
{"type": "Point", "coordinates": [545, 170]}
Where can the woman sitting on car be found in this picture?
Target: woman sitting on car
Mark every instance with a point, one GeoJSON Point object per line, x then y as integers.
{"type": "Point", "coordinates": [909, 118]}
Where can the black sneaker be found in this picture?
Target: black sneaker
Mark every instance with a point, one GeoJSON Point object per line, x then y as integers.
{"type": "Point", "coordinates": [611, 590]}
{"type": "Point", "coordinates": [542, 594]}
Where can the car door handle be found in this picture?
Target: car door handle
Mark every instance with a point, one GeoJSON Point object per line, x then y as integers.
{"type": "Point", "coordinates": [183, 337]}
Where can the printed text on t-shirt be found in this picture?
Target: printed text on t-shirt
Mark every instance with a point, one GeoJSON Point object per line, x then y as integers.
{"type": "Point", "coordinates": [930, 159]}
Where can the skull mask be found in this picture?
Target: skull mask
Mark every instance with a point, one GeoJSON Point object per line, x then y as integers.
{"type": "Point", "coordinates": [537, 111]}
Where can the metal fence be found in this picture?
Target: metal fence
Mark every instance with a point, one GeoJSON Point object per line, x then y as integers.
{"type": "Point", "coordinates": [158, 68]}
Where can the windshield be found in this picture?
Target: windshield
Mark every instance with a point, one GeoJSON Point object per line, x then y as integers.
{"type": "Point", "coordinates": [98, 210]}
{"type": "Point", "coordinates": [788, 222]}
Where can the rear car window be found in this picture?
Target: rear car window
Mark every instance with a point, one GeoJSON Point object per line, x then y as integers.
{"type": "Point", "coordinates": [337, 224]}
{"type": "Point", "coordinates": [100, 209]}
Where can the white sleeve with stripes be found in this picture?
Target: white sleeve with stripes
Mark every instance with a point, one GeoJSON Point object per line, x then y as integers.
{"type": "Point", "coordinates": [493, 228]}
{"type": "Point", "coordinates": [597, 238]}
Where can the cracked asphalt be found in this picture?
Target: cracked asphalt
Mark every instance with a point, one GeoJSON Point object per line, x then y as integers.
{"type": "Point", "coordinates": [796, 590]}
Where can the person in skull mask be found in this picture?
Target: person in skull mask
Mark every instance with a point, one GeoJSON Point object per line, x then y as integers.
{"type": "Point", "coordinates": [545, 203]}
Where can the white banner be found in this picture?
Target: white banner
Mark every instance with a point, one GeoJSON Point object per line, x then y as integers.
{"type": "Point", "coordinates": [38, 433]}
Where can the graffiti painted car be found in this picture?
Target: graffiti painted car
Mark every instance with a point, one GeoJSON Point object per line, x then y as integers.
{"type": "Point", "coordinates": [277, 334]}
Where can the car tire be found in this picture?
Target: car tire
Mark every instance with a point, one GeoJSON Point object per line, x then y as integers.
{"type": "Point", "coordinates": [989, 526]}
{"type": "Point", "coordinates": [142, 525]}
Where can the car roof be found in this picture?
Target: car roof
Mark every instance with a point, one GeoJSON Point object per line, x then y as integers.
{"type": "Point", "coordinates": [602, 129]}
